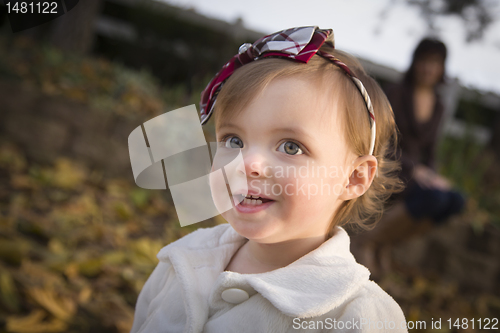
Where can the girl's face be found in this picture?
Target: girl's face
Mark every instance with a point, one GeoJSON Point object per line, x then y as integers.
{"type": "Point", "coordinates": [294, 153]}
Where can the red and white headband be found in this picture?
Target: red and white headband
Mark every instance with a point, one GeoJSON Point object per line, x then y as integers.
{"type": "Point", "coordinates": [299, 44]}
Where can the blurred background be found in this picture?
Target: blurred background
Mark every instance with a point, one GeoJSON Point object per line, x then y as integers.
{"type": "Point", "coordinates": [78, 238]}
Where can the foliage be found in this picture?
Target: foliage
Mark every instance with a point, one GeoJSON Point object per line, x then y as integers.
{"type": "Point", "coordinates": [477, 15]}
{"type": "Point", "coordinates": [76, 249]}
{"type": "Point", "coordinates": [427, 298]}
{"type": "Point", "coordinates": [471, 168]}
{"type": "Point", "coordinates": [94, 81]}
{"type": "Point", "coordinates": [100, 83]}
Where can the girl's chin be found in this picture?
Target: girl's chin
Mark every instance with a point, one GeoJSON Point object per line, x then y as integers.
{"type": "Point", "coordinates": [255, 231]}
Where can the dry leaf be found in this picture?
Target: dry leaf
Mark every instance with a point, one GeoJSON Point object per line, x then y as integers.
{"type": "Point", "coordinates": [8, 292]}
{"type": "Point", "coordinates": [33, 323]}
{"type": "Point", "coordinates": [61, 307]}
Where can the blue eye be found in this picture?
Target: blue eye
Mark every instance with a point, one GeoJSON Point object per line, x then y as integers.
{"type": "Point", "coordinates": [232, 142]}
{"type": "Point", "coordinates": [290, 148]}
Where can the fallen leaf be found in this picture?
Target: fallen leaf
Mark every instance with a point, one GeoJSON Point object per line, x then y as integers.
{"type": "Point", "coordinates": [33, 323]}
{"type": "Point", "coordinates": [61, 307]}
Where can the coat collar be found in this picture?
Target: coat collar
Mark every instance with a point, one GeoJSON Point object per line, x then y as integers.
{"type": "Point", "coordinates": [311, 286]}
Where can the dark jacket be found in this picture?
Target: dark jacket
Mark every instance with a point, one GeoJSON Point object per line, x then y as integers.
{"type": "Point", "coordinates": [417, 141]}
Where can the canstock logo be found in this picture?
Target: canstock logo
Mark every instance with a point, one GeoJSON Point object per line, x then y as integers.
{"type": "Point", "coordinates": [171, 149]}
{"type": "Point", "coordinates": [25, 14]}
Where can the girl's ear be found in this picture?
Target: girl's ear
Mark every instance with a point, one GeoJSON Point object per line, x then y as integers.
{"type": "Point", "coordinates": [365, 168]}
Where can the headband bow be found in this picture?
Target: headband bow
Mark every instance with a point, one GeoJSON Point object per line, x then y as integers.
{"type": "Point", "coordinates": [299, 44]}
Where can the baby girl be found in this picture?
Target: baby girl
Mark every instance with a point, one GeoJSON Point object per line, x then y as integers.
{"type": "Point", "coordinates": [313, 130]}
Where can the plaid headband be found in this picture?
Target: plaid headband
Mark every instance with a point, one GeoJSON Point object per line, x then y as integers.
{"type": "Point", "coordinates": [299, 44]}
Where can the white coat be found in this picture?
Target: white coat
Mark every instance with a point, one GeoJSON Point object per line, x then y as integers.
{"type": "Point", "coordinates": [323, 291]}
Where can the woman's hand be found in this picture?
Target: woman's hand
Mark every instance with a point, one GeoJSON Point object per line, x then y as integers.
{"type": "Point", "coordinates": [423, 176]}
{"type": "Point", "coordinates": [427, 178]}
{"type": "Point", "coordinates": [441, 183]}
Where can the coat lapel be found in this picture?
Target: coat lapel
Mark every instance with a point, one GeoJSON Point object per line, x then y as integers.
{"type": "Point", "coordinates": [198, 259]}
{"type": "Point", "coordinates": [311, 286]}
{"type": "Point", "coordinates": [316, 283]}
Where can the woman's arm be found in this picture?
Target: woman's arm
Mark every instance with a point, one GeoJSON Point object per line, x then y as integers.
{"type": "Point", "coordinates": [428, 178]}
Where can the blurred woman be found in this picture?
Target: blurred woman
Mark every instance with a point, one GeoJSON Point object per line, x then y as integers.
{"type": "Point", "coordinates": [428, 198]}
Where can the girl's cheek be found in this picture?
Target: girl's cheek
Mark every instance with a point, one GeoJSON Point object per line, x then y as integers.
{"type": "Point", "coordinates": [219, 191]}
{"type": "Point", "coordinates": [296, 188]}
{"type": "Point", "coordinates": [309, 187]}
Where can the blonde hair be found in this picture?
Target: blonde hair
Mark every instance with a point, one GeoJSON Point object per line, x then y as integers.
{"type": "Point", "coordinates": [249, 80]}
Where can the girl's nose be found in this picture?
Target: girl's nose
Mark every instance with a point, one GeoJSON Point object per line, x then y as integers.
{"type": "Point", "coordinates": [254, 165]}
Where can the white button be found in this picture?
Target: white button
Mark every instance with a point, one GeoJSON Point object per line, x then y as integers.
{"type": "Point", "coordinates": [234, 295]}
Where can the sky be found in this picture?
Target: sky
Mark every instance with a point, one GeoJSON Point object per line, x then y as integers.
{"type": "Point", "coordinates": [360, 30]}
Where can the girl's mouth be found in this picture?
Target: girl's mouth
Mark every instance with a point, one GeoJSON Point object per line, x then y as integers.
{"type": "Point", "coordinates": [251, 200]}
{"type": "Point", "coordinates": [251, 203]}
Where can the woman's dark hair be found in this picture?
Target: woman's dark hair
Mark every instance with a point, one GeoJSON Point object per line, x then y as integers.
{"type": "Point", "coordinates": [426, 46]}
